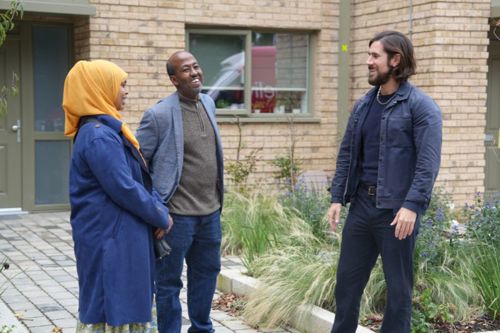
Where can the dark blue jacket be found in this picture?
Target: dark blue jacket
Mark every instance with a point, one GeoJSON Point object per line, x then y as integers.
{"type": "Point", "coordinates": [409, 156]}
{"type": "Point", "coordinates": [112, 217]}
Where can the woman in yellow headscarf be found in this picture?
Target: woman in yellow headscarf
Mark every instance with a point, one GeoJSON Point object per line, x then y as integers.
{"type": "Point", "coordinates": [113, 207]}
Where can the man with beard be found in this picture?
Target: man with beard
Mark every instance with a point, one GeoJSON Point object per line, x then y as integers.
{"type": "Point", "coordinates": [180, 139]}
{"type": "Point", "coordinates": [386, 167]}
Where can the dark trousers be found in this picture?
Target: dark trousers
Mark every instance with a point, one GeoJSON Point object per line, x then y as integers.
{"type": "Point", "coordinates": [196, 239]}
{"type": "Point", "coordinates": [367, 233]}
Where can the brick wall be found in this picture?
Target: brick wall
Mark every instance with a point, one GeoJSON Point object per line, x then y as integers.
{"type": "Point", "coordinates": [450, 39]}
{"type": "Point", "coordinates": [81, 38]}
{"type": "Point", "coordinates": [140, 38]}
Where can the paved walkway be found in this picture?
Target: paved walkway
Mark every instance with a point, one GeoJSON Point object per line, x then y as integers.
{"type": "Point", "coordinates": [41, 289]}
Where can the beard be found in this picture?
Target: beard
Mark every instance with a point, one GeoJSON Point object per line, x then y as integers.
{"type": "Point", "coordinates": [381, 79]}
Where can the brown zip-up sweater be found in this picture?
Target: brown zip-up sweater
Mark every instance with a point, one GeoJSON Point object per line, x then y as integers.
{"type": "Point", "coordinates": [197, 191]}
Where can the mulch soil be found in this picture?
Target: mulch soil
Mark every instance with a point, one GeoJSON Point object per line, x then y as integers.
{"type": "Point", "coordinates": [482, 324]}
{"type": "Point", "coordinates": [229, 303]}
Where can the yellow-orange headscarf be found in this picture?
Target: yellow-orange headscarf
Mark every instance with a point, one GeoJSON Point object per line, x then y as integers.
{"type": "Point", "coordinates": [91, 88]}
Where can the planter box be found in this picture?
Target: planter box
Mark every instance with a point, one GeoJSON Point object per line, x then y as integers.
{"type": "Point", "coordinates": [308, 319]}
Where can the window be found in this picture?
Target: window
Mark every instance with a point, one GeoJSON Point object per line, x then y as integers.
{"type": "Point", "coordinates": [253, 72]}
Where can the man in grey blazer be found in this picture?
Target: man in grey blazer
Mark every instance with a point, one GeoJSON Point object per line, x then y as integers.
{"type": "Point", "coordinates": [180, 140]}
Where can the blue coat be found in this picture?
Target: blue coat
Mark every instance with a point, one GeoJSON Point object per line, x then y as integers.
{"type": "Point", "coordinates": [112, 217]}
{"type": "Point", "coordinates": [161, 135]}
{"type": "Point", "coordinates": [409, 155]}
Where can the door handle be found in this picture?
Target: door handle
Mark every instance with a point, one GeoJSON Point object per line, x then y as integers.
{"type": "Point", "coordinates": [17, 128]}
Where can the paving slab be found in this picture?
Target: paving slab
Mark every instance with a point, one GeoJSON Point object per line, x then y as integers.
{"type": "Point", "coordinates": [41, 286]}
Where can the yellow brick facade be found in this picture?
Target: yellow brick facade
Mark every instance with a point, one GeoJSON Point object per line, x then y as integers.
{"type": "Point", "coordinates": [450, 39]}
{"type": "Point", "coordinates": [140, 38]}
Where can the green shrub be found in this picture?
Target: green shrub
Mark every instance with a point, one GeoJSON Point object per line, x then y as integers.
{"type": "Point", "coordinates": [254, 224]}
{"type": "Point", "coordinates": [289, 166]}
{"type": "Point", "coordinates": [433, 237]}
{"type": "Point", "coordinates": [238, 171]}
{"type": "Point", "coordinates": [288, 170]}
{"type": "Point", "coordinates": [435, 313]}
{"type": "Point", "coordinates": [287, 247]}
{"type": "Point", "coordinates": [279, 248]}
{"type": "Point", "coordinates": [311, 205]}
{"type": "Point", "coordinates": [483, 250]}
{"type": "Point", "coordinates": [7, 24]}
{"type": "Point", "coordinates": [483, 221]}
{"type": "Point", "coordinates": [442, 281]}
{"type": "Point", "coordinates": [302, 274]}
{"type": "Point", "coordinates": [485, 262]}
{"type": "Point", "coordinates": [444, 295]}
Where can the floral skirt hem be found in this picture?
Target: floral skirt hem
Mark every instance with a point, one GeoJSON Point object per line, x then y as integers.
{"type": "Point", "coordinates": [151, 327]}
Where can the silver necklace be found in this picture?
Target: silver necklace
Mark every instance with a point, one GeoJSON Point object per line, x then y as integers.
{"type": "Point", "coordinates": [378, 98]}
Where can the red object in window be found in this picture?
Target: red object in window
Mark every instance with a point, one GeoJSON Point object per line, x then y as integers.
{"type": "Point", "coordinates": [264, 79]}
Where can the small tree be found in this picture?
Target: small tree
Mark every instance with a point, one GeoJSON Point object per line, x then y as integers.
{"type": "Point", "coordinates": [239, 169]}
{"type": "Point", "coordinates": [288, 165]}
{"type": "Point", "coordinates": [6, 25]}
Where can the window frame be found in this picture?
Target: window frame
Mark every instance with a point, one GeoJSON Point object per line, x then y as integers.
{"type": "Point", "coordinates": [247, 34]}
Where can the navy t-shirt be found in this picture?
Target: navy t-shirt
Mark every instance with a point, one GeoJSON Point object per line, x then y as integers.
{"type": "Point", "coordinates": [370, 136]}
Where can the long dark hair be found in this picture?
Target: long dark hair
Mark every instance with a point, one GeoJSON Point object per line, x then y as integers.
{"type": "Point", "coordinates": [394, 43]}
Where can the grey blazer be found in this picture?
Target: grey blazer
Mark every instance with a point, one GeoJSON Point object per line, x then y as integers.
{"type": "Point", "coordinates": [161, 137]}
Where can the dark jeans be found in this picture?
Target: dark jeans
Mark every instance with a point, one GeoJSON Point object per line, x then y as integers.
{"type": "Point", "coordinates": [367, 233]}
{"type": "Point", "coordinates": [196, 239]}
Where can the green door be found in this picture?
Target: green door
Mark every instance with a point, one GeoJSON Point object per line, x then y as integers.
{"type": "Point", "coordinates": [10, 130]}
{"type": "Point", "coordinates": [34, 153]}
{"type": "Point", "coordinates": [492, 135]}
